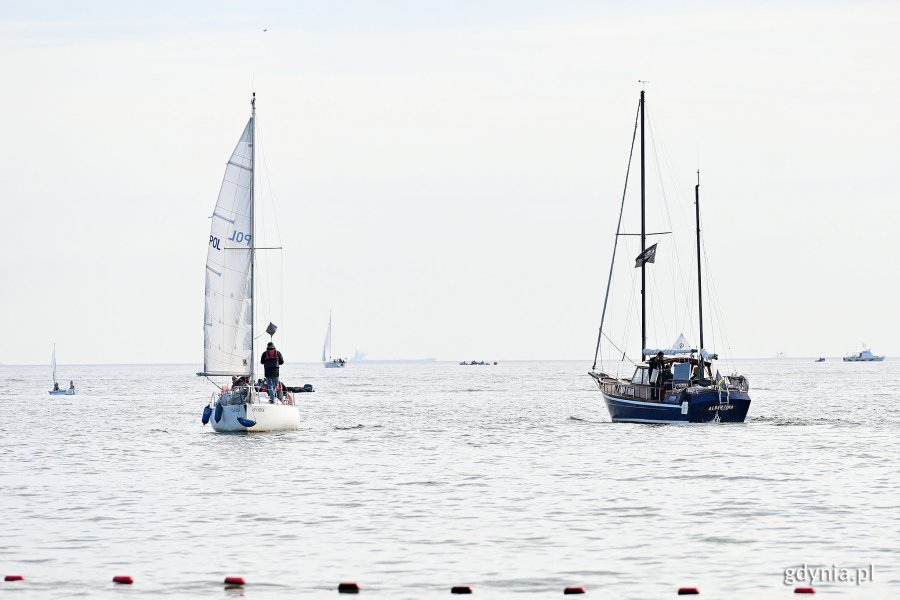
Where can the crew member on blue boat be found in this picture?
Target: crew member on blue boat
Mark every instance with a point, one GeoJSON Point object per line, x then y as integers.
{"type": "Point", "coordinates": [55, 387]}
{"type": "Point", "coordinates": [71, 385]}
{"type": "Point", "coordinates": [656, 365]}
{"type": "Point", "coordinates": [272, 360]}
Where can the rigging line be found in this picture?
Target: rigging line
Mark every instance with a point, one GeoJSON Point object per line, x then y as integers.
{"type": "Point", "coordinates": [623, 352]}
{"type": "Point", "coordinates": [267, 273]}
{"type": "Point", "coordinates": [632, 309]}
{"type": "Point", "coordinates": [662, 313]}
{"type": "Point", "coordinates": [716, 305]}
{"type": "Point", "coordinates": [665, 203]}
{"type": "Point", "coordinates": [616, 242]}
{"type": "Point", "coordinates": [271, 194]}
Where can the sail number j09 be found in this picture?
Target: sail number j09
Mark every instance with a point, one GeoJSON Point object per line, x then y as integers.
{"type": "Point", "coordinates": [239, 237]}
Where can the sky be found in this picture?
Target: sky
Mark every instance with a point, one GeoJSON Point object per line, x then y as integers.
{"type": "Point", "coordinates": [446, 176]}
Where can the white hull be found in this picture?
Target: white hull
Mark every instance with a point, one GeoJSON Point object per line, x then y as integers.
{"type": "Point", "coordinates": [63, 392]}
{"type": "Point", "coordinates": [334, 365]}
{"type": "Point", "coordinates": [856, 359]}
{"type": "Point", "coordinates": [268, 417]}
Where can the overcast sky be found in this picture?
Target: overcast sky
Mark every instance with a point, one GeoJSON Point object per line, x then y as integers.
{"type": "Point", "coordinates": [446, 175]}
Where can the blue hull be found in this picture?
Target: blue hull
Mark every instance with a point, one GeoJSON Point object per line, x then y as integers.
{"type": "Point", "coordinates": [704, 407]}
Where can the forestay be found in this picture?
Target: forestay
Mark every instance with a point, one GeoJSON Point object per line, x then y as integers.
{"type": "Point", "coordinates": [228, 345]}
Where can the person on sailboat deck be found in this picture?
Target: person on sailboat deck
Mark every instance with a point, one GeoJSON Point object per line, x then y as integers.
{"type": "Point", "coordinates": [656, 365]}
{"type": "Point", "coordinates": [272, 360]}
{"type": "Point", "coordinates": [71, 385]}
{"type": "Point", "coordinates": [55, 387]}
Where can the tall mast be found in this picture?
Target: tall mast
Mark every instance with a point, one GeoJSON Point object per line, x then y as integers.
{"type": "Point", "coordinates": [699, 271]}
{"type": "Point", "coordinates": [643, 242]}
{"type": "Point", "coordinates": [252, 236]}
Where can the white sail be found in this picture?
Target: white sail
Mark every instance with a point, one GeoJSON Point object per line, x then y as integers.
{"type": "Point", "coordinates": [227, 339]}
{"type": "Point", "coordinates": [53, 363]}
{"type": "Point", "coordinates": [326, 347]}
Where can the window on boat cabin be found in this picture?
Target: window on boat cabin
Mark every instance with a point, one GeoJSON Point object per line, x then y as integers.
{"type": "Point", "coordinates": [641, 376]}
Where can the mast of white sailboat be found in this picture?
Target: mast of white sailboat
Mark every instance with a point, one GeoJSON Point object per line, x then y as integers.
{"type": "Point", "coordinates": [699, 270]}
{"type": "Point", "coordinates": [252, 237]}
{"type": "Point", "coordinates": [643, 242]}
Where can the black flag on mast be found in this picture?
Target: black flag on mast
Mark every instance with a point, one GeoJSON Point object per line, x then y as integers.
{"type": "Point", "coordinates": [647, 256]}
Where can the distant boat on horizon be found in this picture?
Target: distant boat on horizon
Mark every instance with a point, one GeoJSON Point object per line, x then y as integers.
{"type": "Point", "coordinates": [863, 356]}
{"type": "Point", "coordinates": [327, 360]}
{"type": "Point", "coordinates": [820, 359]}
{"type": "Point", "coordinates": [56, 391]}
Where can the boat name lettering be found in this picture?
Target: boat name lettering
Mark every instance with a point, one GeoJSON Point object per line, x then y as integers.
{"type": "Point", "coordinates": [239, 237]}
{"type": "Point", "coordinates": [214, 242]}
{"type": "Point", "coordinates": [721, 407]}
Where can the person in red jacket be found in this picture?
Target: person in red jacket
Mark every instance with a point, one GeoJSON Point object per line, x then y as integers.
{"type": "Point", "coordinates": [272, 360]}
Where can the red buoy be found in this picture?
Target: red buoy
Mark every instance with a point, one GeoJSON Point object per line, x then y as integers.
{"type": "Point", "coordinates": [688, 591]}
{"type": "Point", "coordinates": [14, 578]}
{"type": "Point", "coordinates": [804, 590]}
{"type": "Point", "coordinates": [125, 579]}
{"type": "Point", "coordinates": [573, 590]}
{"type": "Point", "coordinates": [461, 589]}
{"type": "Point", "coordinates": [234, 581]}
{"type": "Point", "coordinates": [348, 587]}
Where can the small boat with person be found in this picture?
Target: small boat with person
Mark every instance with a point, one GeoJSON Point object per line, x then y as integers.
{"type": "Point", "coordinates": [865, 355]}
{"type": "Point", "coordinates": [674, 384]}
{"type": "Point", "coordinates": [57, 391]}
{"type": "Point", "coordinates": [820, 359]}
{"type": "Point", "coordinates": [229, 356]}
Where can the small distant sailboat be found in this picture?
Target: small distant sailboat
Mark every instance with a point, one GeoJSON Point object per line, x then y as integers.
{"type": "Point", "coordinates": [229, 359]}
{"type": "Point", "coordinates": [56, 391]}
{"type": "Point", "coordinates": [864, 356]}
{"type": "Point", "coordinates": [327, 360]}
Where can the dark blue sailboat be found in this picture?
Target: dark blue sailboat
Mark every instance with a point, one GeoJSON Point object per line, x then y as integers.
{"type": "Point", "coordinates": [677, 384]}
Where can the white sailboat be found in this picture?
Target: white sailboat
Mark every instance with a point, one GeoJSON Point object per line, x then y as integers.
{"type": "Point", "coordinates": [229, 359]}
{"type": "Point", "coordinates": [56, 391]}
{"type": "Point", "coordinates": [327, 360]}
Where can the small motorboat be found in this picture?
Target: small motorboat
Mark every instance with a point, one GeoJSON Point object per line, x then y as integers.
{"type": "Point", "coordinates": [820, 359]}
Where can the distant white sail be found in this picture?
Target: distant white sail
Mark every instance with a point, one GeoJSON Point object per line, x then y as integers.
{"type": "Point", "coordinates": [53, 363]}
{"type": "Point", "coordinates": [681, 343]}
{"type": "Point", "coordinates": [326, 347]}
{"type": "Point", "coordinates": [227, 342]}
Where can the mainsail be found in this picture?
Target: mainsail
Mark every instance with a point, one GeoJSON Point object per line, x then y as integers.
{"type": "Point", "coordinates": [227, 337]}
{"type": "Point", "coordinates": [326, 347]}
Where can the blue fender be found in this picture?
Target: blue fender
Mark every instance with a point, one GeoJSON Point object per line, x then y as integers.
{"type": "Point", "coordinates": [246, 422]}
{"type": "Point", "coordinates": [207, 411]}
{"type": "Point", "coordinates": [218, 415]}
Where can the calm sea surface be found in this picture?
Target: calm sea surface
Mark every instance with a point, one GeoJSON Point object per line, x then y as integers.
{"type": "Point", "coordinates": [410, 478]}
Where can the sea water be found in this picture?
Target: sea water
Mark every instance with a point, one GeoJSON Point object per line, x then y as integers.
{"type": "Point", "coordinates": [410, 478]}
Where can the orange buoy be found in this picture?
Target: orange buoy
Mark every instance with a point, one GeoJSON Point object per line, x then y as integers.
{"type": "Point", "coordinates": [348, 587]}
{"type": "Point", "coordinates": [804, 590]}
{"type": "Point", "coordinates": [688, 591]}
{"type": "Point", "coordinates": [573, 590]}
{"type": "Point", "coordinates": [124, 579]}
{"type": "Point", "coordinates": [14, 578]}
{"type": "Point", "coordinates": [461, 589]}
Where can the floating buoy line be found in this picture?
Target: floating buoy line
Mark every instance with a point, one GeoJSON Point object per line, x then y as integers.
{"type": "Point", "coordinates": [347, 587]}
